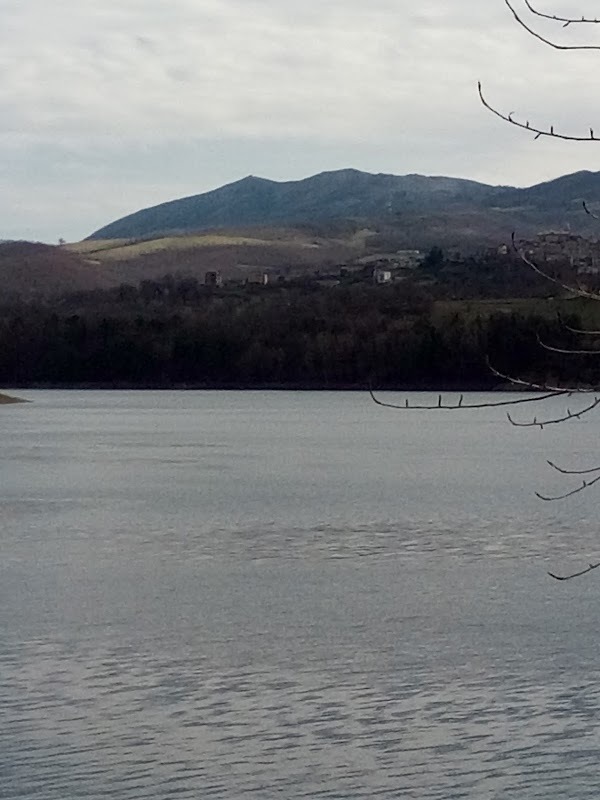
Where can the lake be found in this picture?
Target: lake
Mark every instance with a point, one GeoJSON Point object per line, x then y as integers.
{"type": "Point", "coordinates": [293, 595]}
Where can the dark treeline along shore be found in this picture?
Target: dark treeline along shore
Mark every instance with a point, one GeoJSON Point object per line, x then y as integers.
{"type": "Point", "coordinates": [440, 329]}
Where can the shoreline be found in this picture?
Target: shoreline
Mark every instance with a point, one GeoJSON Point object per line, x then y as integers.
{"type": "Point", "coordinates": [263, 387]}
{"type": "Point", "coordinates": [9, 400]}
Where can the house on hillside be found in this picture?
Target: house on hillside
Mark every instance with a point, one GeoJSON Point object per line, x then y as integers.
{"type": "Point", "coordinates": [408, 259]}
{"type": "Point", "coordinates": [382, 275]}
{"type": "Point", "coordinates": [397, 262]}
{"type": "Point", "coordinates": [564, 247]}
{"type": "Point", "coordinates": [259, 278]}
{"type": "Point", "coordinates": [213, 278]}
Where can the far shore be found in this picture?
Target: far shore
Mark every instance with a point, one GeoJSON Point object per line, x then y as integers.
{"type": "Point", "coordinates": [307, 386]}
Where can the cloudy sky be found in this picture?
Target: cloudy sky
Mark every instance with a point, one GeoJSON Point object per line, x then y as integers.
{"type": "Point", "coordinates": [108, 106]}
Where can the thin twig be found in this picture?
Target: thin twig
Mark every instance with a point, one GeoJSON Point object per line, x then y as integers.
{"type": "Point", "coordinates": [566, 350]}
{"type": "Point", "coordinates": [566, 20]}
{"type": "Point", "coordinates": [579, 331]}
{"type": "Point", "coordinates": [582, 331]}
{"type": "Point", "coordinates": [460, 404]}
{"type": "Point", "coordinates": [591, 137]}
{"type": "Point", "coordinates": [584, 485]}
{"type": "Point", "coordinates": [549, 42]}
{"type": "Point", "coordinates": [564, 471]}
{"type": "Point", "coordinates": [576, 290]}
{"type": "Point", "coordinates": [574, 574]}
{"type": "Point", "coordinates": [553, 391]}
{"type": "Point", "coordinates": [541, 424]}
{"type": "Point", "coordinates": [590, 213]}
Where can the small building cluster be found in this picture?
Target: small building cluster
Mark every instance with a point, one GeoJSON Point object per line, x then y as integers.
{"type": "Point", "coordinates": [380, 268]}
{"type": "Point", "coordinates": [400, 260]}
{"type": "Point", "coordinates": [387, 267]}
{"type": "Point", "coordinates": [257, 277]}
{"type": "Point", "coordinates": [563, 248]}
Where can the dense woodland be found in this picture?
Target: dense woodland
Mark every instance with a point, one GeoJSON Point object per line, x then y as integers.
{"type": "Point", "coordinates": [437, 329]}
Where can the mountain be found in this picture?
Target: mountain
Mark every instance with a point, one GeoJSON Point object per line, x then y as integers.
{"type": "Point", "coordinates": [566, 192]}
{"type": "Point", "coordinates": [330, 195]}
{"type": "Point", "coordinates": [351, 194]}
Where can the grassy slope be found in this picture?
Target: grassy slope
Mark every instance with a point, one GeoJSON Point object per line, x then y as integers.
{"type": "Point", "coordinates": [232, 252]}
{"type": "Point", "coordinates": [40, 270]}
{"type": "Point", "coordinates": [124, 249]}
{"type": "Point", "coordinates": [33, 270]}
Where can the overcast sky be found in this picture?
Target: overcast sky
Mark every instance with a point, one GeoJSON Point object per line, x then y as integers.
{"type": "Point", "coordinates": [109, 106]}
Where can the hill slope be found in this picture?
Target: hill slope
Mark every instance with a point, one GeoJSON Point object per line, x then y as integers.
{"type": "Point", "coordinates": [350, 194]}
{"type": "Point", "coordinates": [329, 195]}
{"type": "Point", "coordinates": [31, 269]}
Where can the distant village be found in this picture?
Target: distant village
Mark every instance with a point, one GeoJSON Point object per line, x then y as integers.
{"type": "Point", "coordinates": [564, 249]}
{"type": "Point", "coordinates": [380, 268]}
{"type": "Point", "coordinates": [549, 249]}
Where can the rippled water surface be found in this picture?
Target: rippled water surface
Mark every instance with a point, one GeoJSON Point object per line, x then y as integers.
{"type": "Point", "coordinates": [293, 595]}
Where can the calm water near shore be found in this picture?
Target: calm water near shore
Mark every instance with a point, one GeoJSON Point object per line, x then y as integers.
{"type": "Point", "coordinates": [293, 595]}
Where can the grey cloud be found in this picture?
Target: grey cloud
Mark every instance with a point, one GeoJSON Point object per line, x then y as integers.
{"type": "Point", "coordinates": [252, 68]}
{"type": "Point", "coordinates": [389, 85]}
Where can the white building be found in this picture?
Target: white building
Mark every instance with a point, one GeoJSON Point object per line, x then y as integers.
{"type": "Point", "coordinates": [382, 275]}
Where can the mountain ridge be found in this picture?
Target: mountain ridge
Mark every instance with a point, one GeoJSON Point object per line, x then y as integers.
{"type": "Point", "coordinates": [341, 216]}
{"type": "Point", "coordinates": [338, 194]}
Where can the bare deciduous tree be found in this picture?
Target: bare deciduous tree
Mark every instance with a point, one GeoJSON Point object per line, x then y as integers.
{"type": "Point", "coordinates": [527, 19]}
{"type": "Point", "coordinates": [564, 21]}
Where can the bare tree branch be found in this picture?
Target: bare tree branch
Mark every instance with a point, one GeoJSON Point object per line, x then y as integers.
{"type": "Point", "coordinates": [543, 39]}
{"type": "Point", "coordinates": [566, 350]}
{"type": "Point", "coordinates": [564, 471]}
{"type": "Point", "coordinates": [553, 391]}
{"type": "Point", "coordinates": [590, 213]}
{"type": "Point", "coordinates": [584, 485]}
{"type": "Point", "coordinates": [591, 137]}
{"type": "Point", "coordinates": [460, 404]}
{"type": "Point", "coordinates": [541, 424]}
{"type": "Point", "coordinates": [579, 331]}
{"type": "Point", "coordinates": [566, 20]}
{"type": "Point", "coordinates": [577, 290]}
{"type": "Point", "coordinates": [574, 574]}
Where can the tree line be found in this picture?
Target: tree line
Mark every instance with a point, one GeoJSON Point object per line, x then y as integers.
{"type": "Point", "coordinates": [175, 332]}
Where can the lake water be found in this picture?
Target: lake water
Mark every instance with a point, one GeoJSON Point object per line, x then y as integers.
{"type": "Point", "coordinates": [293, 595]}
